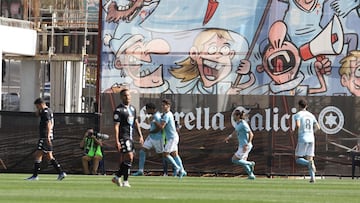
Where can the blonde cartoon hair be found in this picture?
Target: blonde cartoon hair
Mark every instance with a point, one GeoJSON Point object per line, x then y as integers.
{"type": "Point", "coordinates": [346, 63]}
{"type": "Point", "coordinates": [188, 67]}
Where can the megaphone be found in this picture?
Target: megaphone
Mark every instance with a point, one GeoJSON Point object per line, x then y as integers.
{"type": "Point", "coordinates": [330, 41]}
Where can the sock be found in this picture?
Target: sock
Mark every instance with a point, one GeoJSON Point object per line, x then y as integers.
{"type": "Point", "coordinates": [311, 173]}
{"type": "Point", "coordinates": [56, 165]}
{"type": "Point", "coordinates": [243, 163]}
{"type": "Point", "coordinates": [165, 165]}
{"type": "Point", "coordinates": [118, 173]}
{"type": "Point", "coordinates": [125, 169]}
{"type": "Point", "coordinates": [172, 161]}
{"type": "Point", "coordinates": [179, 162]}
{"type": "Point", "coordinates": [305, 162]}
{"type": "Point", "coordinates": [142, 158]}
{"type": "Point", "coordinates": [302, 161]}
{"type": "Point", "coordinates": [121, 170]}
{"type": "Point", "coordinates": [36, 168]}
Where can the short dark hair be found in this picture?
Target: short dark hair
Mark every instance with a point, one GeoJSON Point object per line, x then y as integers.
{"type": "Point", "coordinates": [240, 113]}
{"type": "Point", "coordinates": [166, 101]}
{"type": "Point", "coordinates": [39, 101]}
{"type": "Point", "coordinates": [302, 103]}
{"type": "Point", "coordinates": [123, 91]}
{"type": "Point", "coordinates": [150, 106]}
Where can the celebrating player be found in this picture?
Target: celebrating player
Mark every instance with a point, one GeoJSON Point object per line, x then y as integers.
{"type": "Point", "coordinates": [245, 137]}
{"type": "Point", "coordinates": [154, 140]}
{"type": "Point", "coordinates": [305, 148]}
{"type": "Point", "coordinates": [172, 139]}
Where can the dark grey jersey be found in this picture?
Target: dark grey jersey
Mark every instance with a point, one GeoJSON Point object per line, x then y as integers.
{"type": "Point", "coordinates": [125, 116]}
{"type": "Point", "coordinates": [46, 116]}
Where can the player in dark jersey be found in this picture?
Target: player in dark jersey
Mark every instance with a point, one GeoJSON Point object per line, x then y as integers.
{"type": "Point", "coordinates": [44, 146]}
{"type": "Point", "coordinates": [125, 122]}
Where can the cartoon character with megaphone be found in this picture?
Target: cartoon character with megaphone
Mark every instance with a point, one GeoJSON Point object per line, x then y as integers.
{"type": "Point", "coordinates": [281, 60]}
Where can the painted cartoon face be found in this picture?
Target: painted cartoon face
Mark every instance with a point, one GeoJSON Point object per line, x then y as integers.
{"type": "Point", "coordinates": [137, 62]}
{"type": "Point", "coordinates": [214, 60]}
{"type": "Point", "coordinates": [124, 9]}
{"type": "Point", "coordinates": [353, 81]}
{"type": "Point", "coordinates": [281, 59]}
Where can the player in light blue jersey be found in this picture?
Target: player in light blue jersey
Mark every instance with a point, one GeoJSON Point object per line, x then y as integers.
{"type": "Point", "coordinates": [245, 137]}
{"type": "Point", "coordinates": [306, 123]}
{"type": "Point", "coordinates": [154, 140]}
{"type": "Point", "coordinates": [171, 139]}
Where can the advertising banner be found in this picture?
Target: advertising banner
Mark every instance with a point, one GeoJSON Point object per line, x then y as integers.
{"type": "Point", "coordinates": [212, 57]}
{"type": "Point", "coordinates": [206, 120]}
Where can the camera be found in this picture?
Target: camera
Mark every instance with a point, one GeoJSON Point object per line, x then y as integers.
{"type": "Point", "coordinates": [98, 135]}
{"type": "Point", "coordinates": [101, 136]}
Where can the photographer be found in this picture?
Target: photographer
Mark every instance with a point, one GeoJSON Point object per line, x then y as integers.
{"type": "Point", "coordinates": [91, 143]}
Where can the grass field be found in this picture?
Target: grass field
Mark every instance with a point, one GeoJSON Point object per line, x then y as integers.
{"type": "Point", "coordinates": [81, 188]}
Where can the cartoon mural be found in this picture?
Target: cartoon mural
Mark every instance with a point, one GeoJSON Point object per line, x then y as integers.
{"type": "Point", "coordinates": [350, 72]}
{"type": "Point", "coordinates": [208, 63]}
{"type": "Point", "coordinates": [256, 47]}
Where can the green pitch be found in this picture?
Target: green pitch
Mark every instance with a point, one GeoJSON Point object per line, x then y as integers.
{"type": "Point", "coordinates": [80, 188]}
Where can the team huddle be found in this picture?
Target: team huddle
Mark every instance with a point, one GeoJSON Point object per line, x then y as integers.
{"type": "Point", "coordinates": [164, 139]}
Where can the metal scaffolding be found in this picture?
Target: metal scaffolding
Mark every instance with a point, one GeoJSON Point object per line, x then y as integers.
{"type": "Point", "coordinates": [67, 36]}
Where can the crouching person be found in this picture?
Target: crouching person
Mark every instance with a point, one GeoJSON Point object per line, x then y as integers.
{"type": "Point", "coordinates": [91, 143]}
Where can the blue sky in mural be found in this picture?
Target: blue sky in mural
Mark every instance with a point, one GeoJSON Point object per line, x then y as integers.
{"type": "Point", "coordinates": [181, 15]}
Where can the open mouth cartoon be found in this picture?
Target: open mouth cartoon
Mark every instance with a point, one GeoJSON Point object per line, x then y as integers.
{"type": "Point", "coordinates": [212, 69]}
{"type": "Point", "coordinates": [143, 75]}
{"type": "Point", "coordinates": [125, 12]}
{"type": "Point", "coordinates": [281, 62]}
